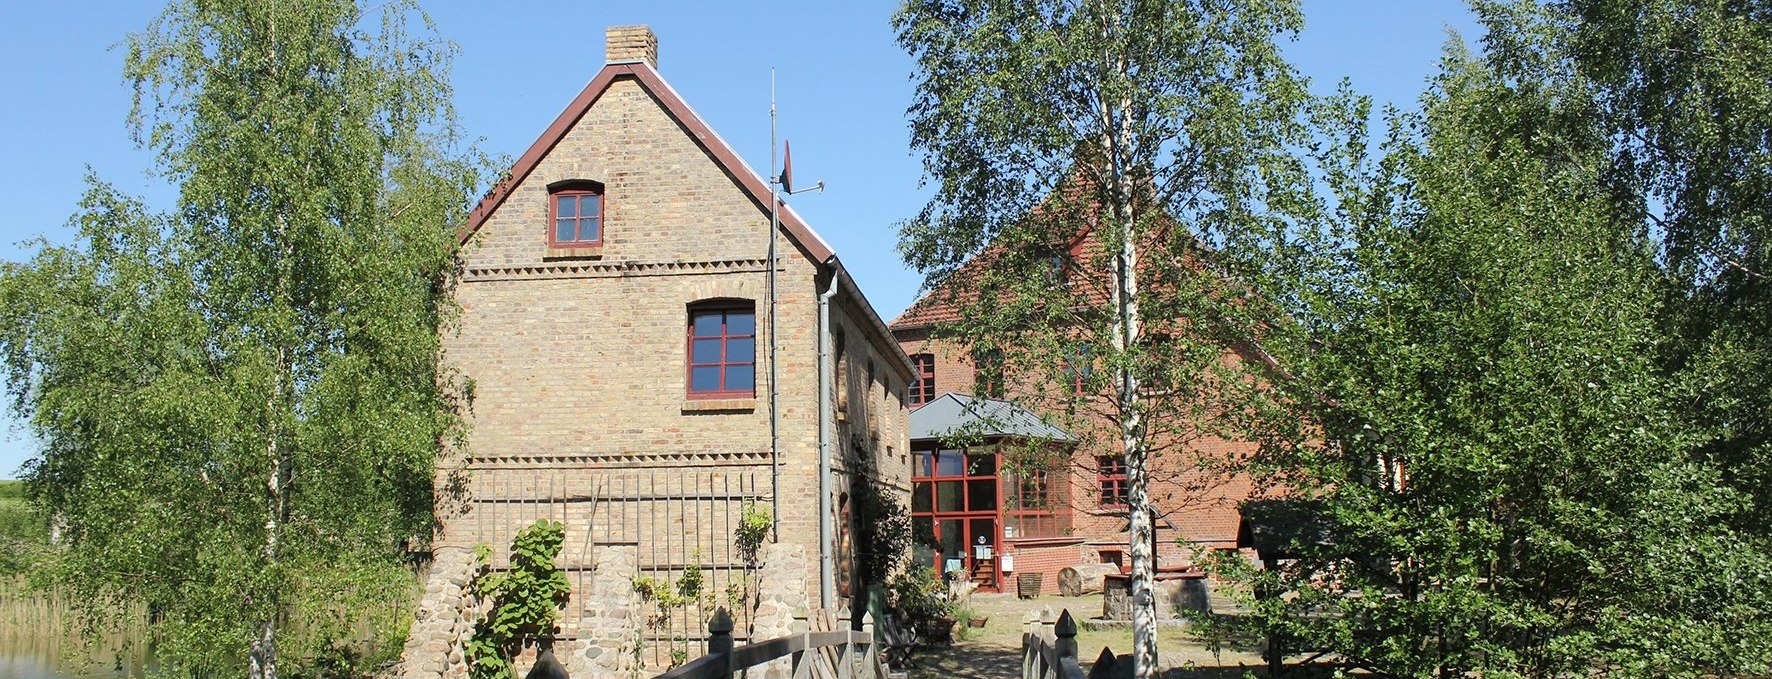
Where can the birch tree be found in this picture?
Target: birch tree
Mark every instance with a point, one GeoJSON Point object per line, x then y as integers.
{"type": "Point", "coordinates": [1087, 158]}
{"type": "Point", "coordinates": [238, 399]}
{"type": "Point", "coordinates": [1514, 463]}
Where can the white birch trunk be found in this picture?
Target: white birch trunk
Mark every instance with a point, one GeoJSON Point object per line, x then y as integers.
{"type": "Point", "coordinates": [262, 656]}
{"type": "Point", "coordinates": [1132, 434]}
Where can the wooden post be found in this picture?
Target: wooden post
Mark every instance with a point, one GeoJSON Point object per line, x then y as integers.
{"type": "Point", "coordinates": [1066, 631]}
{"type": "Point", "coordinates": [1106, 665]}
{"type": "Point", "coordinates": [870, 660]}
{"type": "Point", "coordinates": [720, 639]}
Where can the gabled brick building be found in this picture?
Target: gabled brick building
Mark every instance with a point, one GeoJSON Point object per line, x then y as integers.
{"type": "Point", "coordinates": [1074, 512]}
{"type": "Point", "coordinates": [615, 326]}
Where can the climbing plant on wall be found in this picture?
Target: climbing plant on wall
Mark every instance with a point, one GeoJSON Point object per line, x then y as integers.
{"type": "Point", "coordinates": [526, 601]}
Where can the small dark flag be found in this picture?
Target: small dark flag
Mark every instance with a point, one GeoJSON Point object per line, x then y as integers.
{"type": "Point", "coordinates": [787, 168]}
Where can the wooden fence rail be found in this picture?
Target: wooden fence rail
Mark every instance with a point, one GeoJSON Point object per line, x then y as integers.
{"type": "Point", "coordinates": [1055, 656]}
{"type": "Point", "coordinates": [841, 654]}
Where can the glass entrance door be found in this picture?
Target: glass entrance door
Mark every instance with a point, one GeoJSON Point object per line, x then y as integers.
{"type": "Point", "coordinates": [954, 511]}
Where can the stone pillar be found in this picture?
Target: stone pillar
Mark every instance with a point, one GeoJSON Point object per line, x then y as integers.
{"type": "Point", "coordinates": [610, 626]}
{"type": "Point", "coordinates": [445, 618]}
{"type": "Point", "coordinates": [781, 597]}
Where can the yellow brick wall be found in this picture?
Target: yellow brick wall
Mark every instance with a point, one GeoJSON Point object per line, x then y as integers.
{"type": "Point", "coordinates": [578, 364]}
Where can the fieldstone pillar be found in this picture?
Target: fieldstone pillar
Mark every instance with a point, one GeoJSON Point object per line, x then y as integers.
{"type": "Point", "coordinates": [610, 629]}
{"type": "Point", "coordinates": [781, 597]}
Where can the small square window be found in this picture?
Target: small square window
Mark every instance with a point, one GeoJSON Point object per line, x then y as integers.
{"type": "Point", "coordinates": [575, 216]}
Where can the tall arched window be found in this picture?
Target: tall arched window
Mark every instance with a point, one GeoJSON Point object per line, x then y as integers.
{"type": "Point", "coordinates": [923, 384]}
{"type": "Point", "coordinates": [722, 349]}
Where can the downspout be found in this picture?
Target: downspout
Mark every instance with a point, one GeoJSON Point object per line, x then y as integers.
{"type": "Point", "coordinates": [826, 382]}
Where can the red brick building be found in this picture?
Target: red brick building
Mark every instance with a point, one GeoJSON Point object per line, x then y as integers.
{"type": "Point", "coordinates": [1032, 520]}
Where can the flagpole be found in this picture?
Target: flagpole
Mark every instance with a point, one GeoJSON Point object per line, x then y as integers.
{"type": "Point", "coordinates": [774, 374]}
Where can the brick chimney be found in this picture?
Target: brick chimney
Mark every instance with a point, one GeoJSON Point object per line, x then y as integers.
{"type": "Point", "coordinates": [628, 44]}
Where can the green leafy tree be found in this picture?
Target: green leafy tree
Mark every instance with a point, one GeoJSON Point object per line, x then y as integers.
{"type": "Point", "coordinates": [239, 400]}
{"type": "Point", "coordinates": [24, 531]}
{"type": "Point", "coordinates": [1682, 95]}
{"type": "Point", "coordinates": [1497, 454]}
{"type": "Point", "coordinates": [1083, 155]}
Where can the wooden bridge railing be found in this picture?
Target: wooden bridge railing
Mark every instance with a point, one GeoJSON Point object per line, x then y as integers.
{"type": "Point", "coordinates": [1055, 656]}
{"type": "Point", "coordinates": [840, 654]}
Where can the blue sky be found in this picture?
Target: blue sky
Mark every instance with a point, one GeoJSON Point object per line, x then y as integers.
{"type": "Point", "coordinates": [842, 89]}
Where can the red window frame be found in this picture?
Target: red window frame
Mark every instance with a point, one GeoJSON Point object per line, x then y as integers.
{"type": "Point", "coordinates": [1079, 368]}
{"type": "Point", "coordinates": [987, 372]}
{"type": "Point", "coordinates": [725, 336]}
{"type": "Point", "coordinates": [923, 385]}
{"type": "Point", "coordinates": [1110, 481]}
{"type": "Point", "coordinates": [577, 193]}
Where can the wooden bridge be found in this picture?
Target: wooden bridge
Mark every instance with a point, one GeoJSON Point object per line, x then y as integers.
{"type": "Point", "coordinates": [831, 654]}
{"type": "Point", "coordinates": [1049, 651]}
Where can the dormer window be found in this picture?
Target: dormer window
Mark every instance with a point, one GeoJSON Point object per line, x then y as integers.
{"type": "Point", "coordinates": [575, 214]}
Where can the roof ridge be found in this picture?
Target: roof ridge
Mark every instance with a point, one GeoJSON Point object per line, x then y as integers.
{"type": "Point", "coordinates": [722, 154]}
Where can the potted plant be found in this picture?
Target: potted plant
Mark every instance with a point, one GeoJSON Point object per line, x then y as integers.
{"type": "Point", "coordinates": [920, 600]}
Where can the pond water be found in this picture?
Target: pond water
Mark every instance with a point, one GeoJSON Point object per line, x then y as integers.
{"type": "Point", "coordinates": [43, 657]}
{"type": "Point", "coordinates": [35, 643]}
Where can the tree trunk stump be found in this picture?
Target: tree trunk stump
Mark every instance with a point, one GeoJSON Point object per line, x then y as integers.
{"type": "Point", "coordinates": [1084, 578]}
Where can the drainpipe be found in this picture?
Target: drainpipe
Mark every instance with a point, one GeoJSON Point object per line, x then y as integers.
{"type": "Point", "coordinates": [826, 381]}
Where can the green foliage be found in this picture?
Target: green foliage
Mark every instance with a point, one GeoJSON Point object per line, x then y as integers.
{"type": "Point", "coordinates": [526, 601]}
{"type": "Point", "coordinates": [755, 522]}
{"type": "Point", "coordinates": [1084, 159]}
{"type": "Point", "coordinates": [1498, 445]}
{"type": "Point", "coordinates": [883, 533]}
{"type": "Point", "coordinates": [690, 589]}
{"type": "Point", "coordinates": [24, 530]}
{"type": "Point", "coordinates": [919, 599]}
{"type": "Point", "coordinates": [238, 398]}
{"type": "Point", "coordinates": [882, 526]}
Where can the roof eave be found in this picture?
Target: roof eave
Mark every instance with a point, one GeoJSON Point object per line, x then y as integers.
{"type": "Point", "coordinates": [753, 184]}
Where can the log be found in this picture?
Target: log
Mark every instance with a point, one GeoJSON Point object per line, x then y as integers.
{"type": "Point", "coordinates": [1084, 578]}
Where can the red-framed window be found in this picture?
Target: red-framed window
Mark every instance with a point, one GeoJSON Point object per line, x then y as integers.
{"type": "Point", "coordinates": [722, 350]}
{"type": "Point", "coordinates": [1110, 478]}
{"type": "Point", "coordinates": [955, 507]}
{"type": "Point", "coordinates": [923, 385]}
{"type": "Point", "coordinates": [1079, 367]}
{"type": "Point", "coordinates": [1033, 506]}
{"type": "Point", "coordinates": [1158, 351]}
{"type": "Point", "coordinates": [1058, 273]}
{"type": "Point", "coordinates": [575, 215]}
{"type": "Point", "coordinates": [987, 366]}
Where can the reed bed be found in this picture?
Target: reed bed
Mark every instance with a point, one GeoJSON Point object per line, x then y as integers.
{"type": "Point", "coordinates": [40, 639]}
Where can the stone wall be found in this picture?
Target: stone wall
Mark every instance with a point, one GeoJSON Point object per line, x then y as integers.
{"type": "Point", "coordinates": [611, 615]}
{"type": "Point", "coordinates": [781, 599]}
{"type": "Point", "coordinates": [445, 619]}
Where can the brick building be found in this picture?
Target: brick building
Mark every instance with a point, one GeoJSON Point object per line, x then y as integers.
{"type": "Point", "coordinates": [615, 326]}
{"type": "Point", "coordinates": [1069, 511]}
